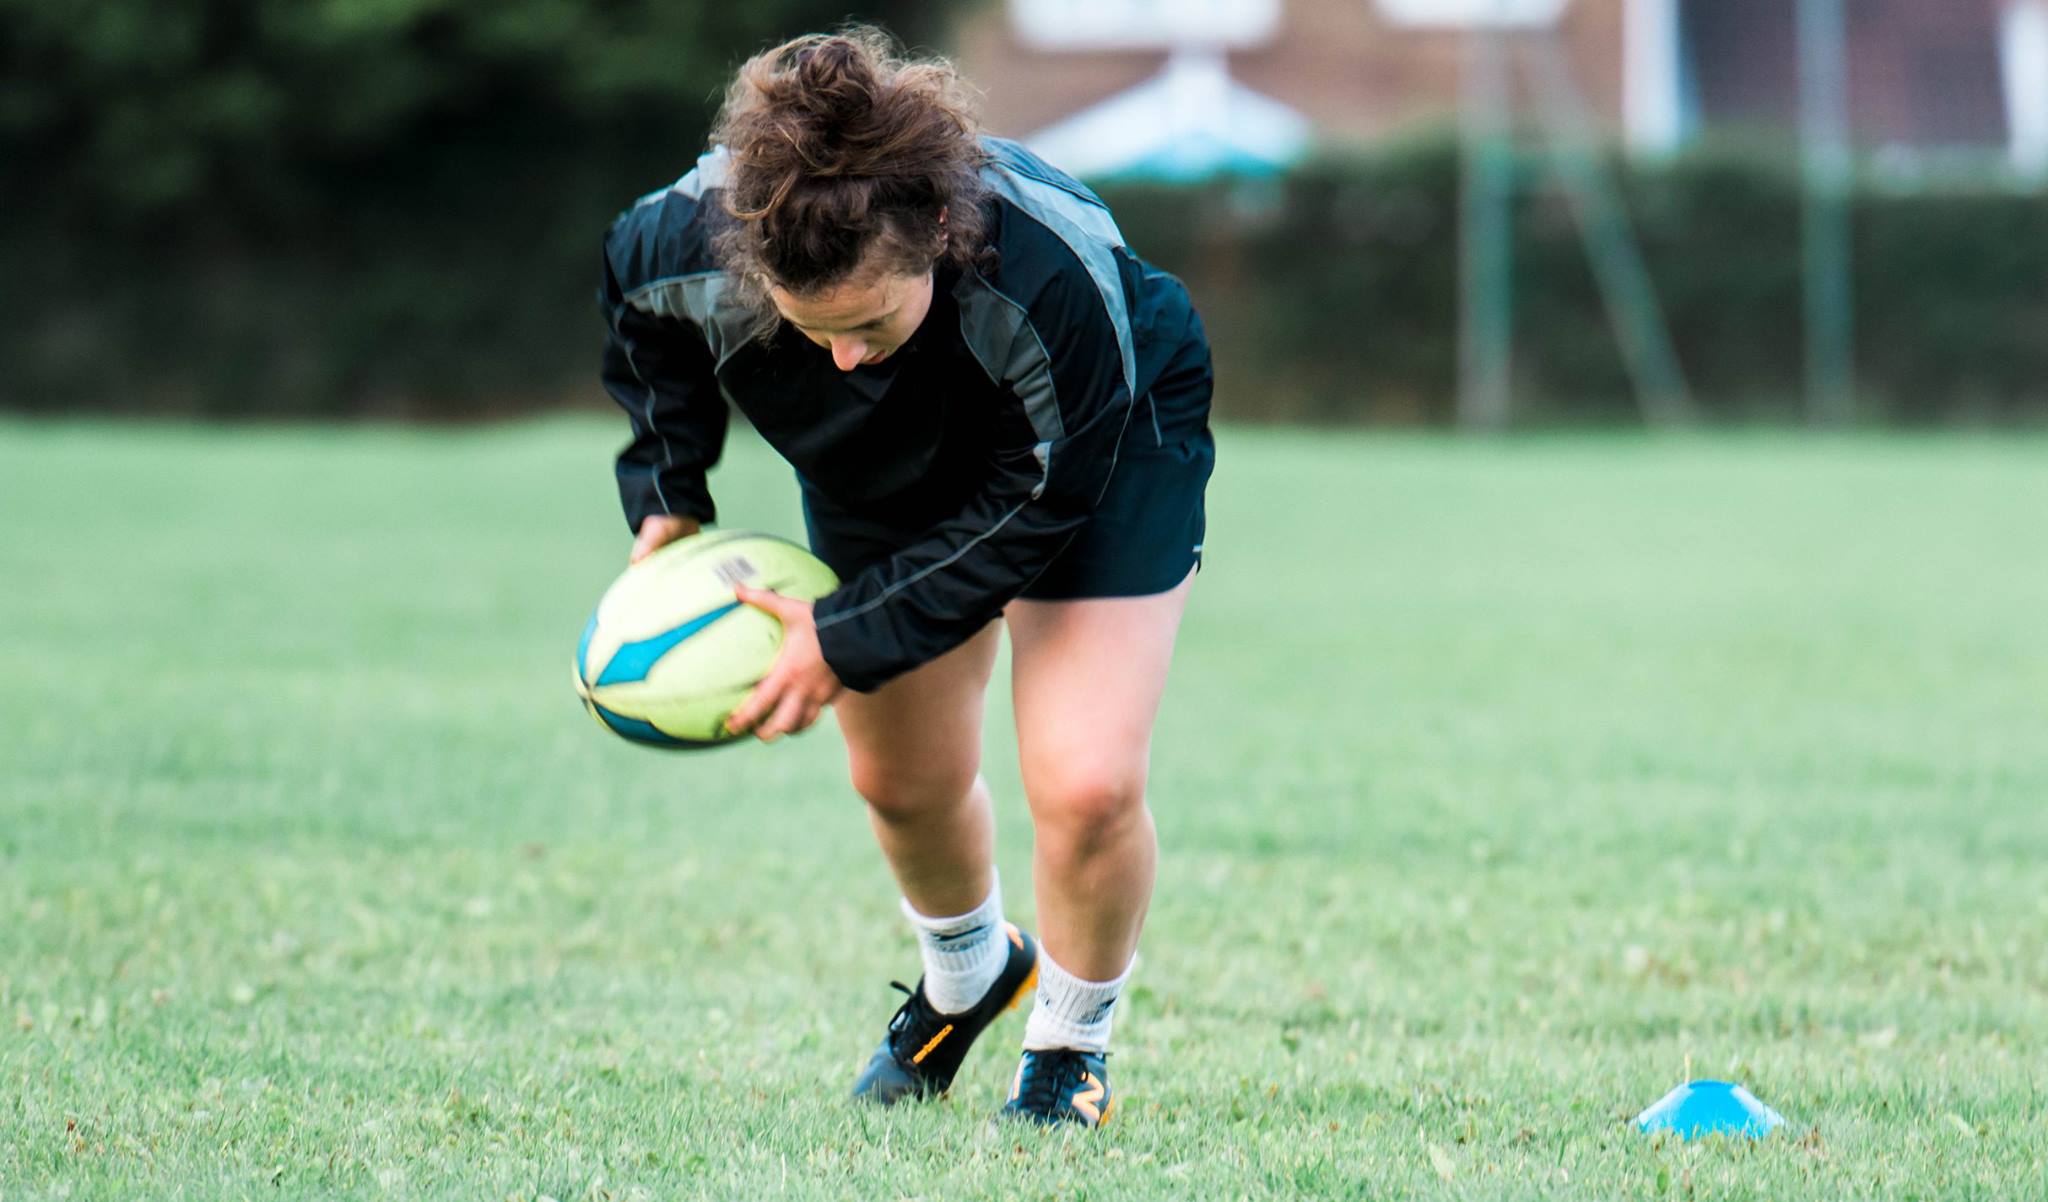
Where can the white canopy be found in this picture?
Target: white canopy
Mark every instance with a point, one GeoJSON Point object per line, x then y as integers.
{"type": "Point", "coordinates": [1188, 122]}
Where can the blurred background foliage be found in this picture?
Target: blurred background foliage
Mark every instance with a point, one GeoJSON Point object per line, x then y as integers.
{"type": "Point", "coordinates": [1332, 293]}
{"type": "Point", "coordinates": [309, 208]}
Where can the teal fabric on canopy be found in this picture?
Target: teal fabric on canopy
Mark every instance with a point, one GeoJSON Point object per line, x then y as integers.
{"type": "Point", "coordinates": [1188, 123]}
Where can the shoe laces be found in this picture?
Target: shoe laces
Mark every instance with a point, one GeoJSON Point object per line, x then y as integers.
{"type": "Point", "coordinates": [915, 1021]}
{"type": "Point", "coordinates": [1051, 1079]}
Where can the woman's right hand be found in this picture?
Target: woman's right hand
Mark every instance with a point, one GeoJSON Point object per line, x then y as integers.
{"type": "Point", "coordinates": [659, 530]}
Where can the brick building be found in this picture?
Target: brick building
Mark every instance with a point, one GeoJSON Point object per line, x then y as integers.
{"type": "Point", "coordinates": [1923, 74]}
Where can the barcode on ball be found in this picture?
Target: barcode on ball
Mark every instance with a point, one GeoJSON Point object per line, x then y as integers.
{"type": "Point", "coordinates": [735, 570]}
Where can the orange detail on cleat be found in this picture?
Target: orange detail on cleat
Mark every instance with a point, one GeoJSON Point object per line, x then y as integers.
{"type": "Point", "coordinates": [1085, 1100]}
{"type": "Point", "coordinates": [926, 1050]}
{"type": "Point", "coordinates": [1030, 983]}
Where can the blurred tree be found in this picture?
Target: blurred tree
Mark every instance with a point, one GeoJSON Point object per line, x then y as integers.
{"type": "Point", "coordinates": [138, 108]}
{"type": "Point", "coordinates": [310, 206]}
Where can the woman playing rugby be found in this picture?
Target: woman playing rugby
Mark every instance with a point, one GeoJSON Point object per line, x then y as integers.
{"type": "Point", "coordinates": [999, 417]}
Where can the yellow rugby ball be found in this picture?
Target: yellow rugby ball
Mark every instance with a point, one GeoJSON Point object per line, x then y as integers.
{"type": "Point", "coordinates": [670, 652]}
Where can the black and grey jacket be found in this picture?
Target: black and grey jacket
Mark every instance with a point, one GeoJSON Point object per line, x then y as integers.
{"type": "Point", "coordinates": [989, 437]}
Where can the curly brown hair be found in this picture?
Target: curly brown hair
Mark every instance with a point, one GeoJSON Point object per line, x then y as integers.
{"type": "Point", "coordinates": [847, 157]}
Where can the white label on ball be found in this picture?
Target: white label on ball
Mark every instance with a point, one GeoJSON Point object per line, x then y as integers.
{"type": "Point", "coordinates": [734, 571]}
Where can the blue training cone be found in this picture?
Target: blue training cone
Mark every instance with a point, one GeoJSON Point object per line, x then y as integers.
{"type": "Point", "coordinates": [1699, 1108]}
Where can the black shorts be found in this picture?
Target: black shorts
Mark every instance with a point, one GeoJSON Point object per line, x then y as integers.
{"type": "Point", "coordinates": [1144, 537]}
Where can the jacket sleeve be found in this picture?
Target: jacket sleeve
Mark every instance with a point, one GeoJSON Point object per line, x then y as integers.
{"type": "Point", "coordinates": [1062, 367]}
{"type": "Point", "coordinates": [661, 373]}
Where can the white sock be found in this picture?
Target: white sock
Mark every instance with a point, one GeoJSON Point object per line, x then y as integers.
{"type": "Point", "coordinates": [963, 955]}
{"type": "Point", "coordinates": [1071, 1012]}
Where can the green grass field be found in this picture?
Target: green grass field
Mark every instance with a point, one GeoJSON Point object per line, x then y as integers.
{"type": "Point", "coordinates": [1500, 785]}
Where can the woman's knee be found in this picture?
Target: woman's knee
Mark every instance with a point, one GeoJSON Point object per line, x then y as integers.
{"type": "Point", "coordinates": [1086, 802]}
{"type": "Point", "coordinates": [898, 788]}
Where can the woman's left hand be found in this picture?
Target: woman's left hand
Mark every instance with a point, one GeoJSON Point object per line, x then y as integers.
{"type": "Point", "coordinates": [800, 685]}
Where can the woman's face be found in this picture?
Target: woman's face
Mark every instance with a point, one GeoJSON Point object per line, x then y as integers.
{"type": "Point", "coordinates": [864, 320]}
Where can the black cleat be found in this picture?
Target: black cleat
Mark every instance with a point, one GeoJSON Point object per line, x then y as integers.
{"type": "Point", "coordinates": [923, 1048]}
{"type": "Point", "coordinates": [1061, 1085]}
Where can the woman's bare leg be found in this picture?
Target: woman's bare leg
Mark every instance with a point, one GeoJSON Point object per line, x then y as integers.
{"type": "Point", "coordinates": [1087, 678]}
{"type": "Point", "coordinates": [914, 750]}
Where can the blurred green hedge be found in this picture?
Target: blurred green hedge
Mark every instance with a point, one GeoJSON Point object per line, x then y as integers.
{"type": "Point", "coordinates": [1332, 295]}
{"type": "Point", "coordinates": [312, 207]}
{"type": "Point", "coordinates": [393, 207]}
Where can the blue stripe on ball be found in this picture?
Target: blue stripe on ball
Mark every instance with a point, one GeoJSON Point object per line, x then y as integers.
{"type": "Point", "coordinates": [640, 731]}
{"type": "Point", "coordinates": [583, 647]}
{"type": "Point", "coordinates": [633, 661]}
